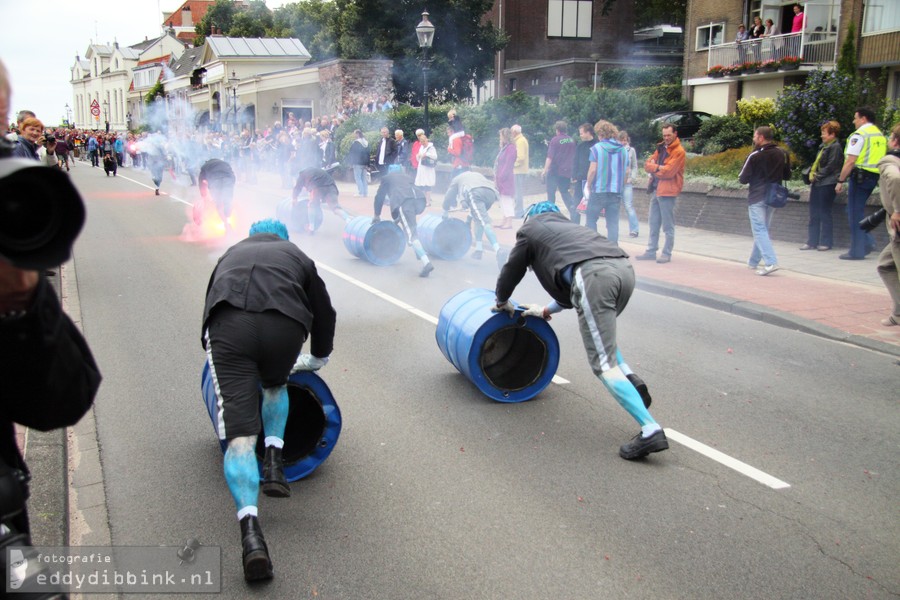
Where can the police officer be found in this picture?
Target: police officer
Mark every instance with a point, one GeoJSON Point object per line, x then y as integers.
{"type": "Point", "coordinates": [580, 268]}
{"type": "Point", "coordinates": [263, 299]}
{"type": "Point", "coordinates": [866, 146]}
{"type": "Point", "coordinates": [406, 202]}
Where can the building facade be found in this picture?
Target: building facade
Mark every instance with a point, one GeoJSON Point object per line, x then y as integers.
{"type": "Point", "coordinates": [712, 26]}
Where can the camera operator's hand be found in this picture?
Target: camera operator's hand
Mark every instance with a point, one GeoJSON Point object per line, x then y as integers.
{"type": "Point", "coordinates": [895, 222]}
{"type": "Point", "coordinates": [16, 287]}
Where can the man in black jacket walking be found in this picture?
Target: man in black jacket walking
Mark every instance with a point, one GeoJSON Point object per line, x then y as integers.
{"type": "Point", "coordinates": [767, 164]}
{"type": "Point", "coordinates": [264, 297]}
{"type": "Point", "coordinates": [580, 268]}
{"type": "Point", "coordinates": [407, 201]}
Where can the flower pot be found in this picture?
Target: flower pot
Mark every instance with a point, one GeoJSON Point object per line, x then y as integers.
{"type": "Point", "coordinates": [768, 69]}
{"type": "Point", "coordinates": [789, 67]}
{"type": "Point", "coordinates": [715, 75]}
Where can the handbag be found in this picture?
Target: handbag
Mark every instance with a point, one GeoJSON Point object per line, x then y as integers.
{"type": "Point", "coordinates": [776, 195]}
{"type": "Point", "coordinates": [428, 161]}
{"type": "Point", "coordinates": [805, 174]}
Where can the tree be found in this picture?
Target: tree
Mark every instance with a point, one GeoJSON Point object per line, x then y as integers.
{"type": "Point", "coordinates": [847, 60]}
{"type": "Point", "coordinates": [255, 21]}
{"type": "Point", "coordinates": [221, 14]}
{"type": "Point", "coordinates": [648, 13]}
{"type": "Point", "coordinates": [313, 22]}
{"type": "Point", "coordinates": [462, 53]}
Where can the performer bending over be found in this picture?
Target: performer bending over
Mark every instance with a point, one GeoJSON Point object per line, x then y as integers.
{"type": "Point", "coordinates": [476, 193]}
{"type": "Point", "coordinates": [322, 188]}
{"type": "Point", "coordinates": [263, 298]}
{"type": "Point", "coordinates": [579, 267]}
{"type": "Point", "coordinates": [406, 202]}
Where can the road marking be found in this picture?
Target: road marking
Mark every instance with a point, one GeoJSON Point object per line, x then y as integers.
{"type": "Point", "coordinates": [399, 303]}
{"type": "Point", "coordinates": [161, 193]}
{"type": "Point", "coordinates": [732, 463]}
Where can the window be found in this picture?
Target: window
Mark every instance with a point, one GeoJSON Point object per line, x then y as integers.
{"type": "Point", "coordinates": [569, 18]}
{"type": "Point", "coordinates": [558, 79]}
{"type": "Point", "coordinates": [881, 16]}
{"type": "Point", "coordinates": [535, 81]}
{"type": "Point", "coordinates": [710, 35]}
{"type": "Point", "coordinates": [512, 84]}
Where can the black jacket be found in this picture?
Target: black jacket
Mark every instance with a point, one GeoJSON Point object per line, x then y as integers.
{"type": "Point", "coordinates": [829, 167]}
{"type": "Point", "coordinates": [358, 154]}
{"type": "Point", "coordinates": [582, 160]}
{"type": "Point", "coordinates": [548, 243]}
{"type": "Point", "coordinates": [400, 189]}
{"type": "Point", "coordinates": [390, 151]}
{"type": "Point", "coordinates": [314, 178]}
{"type": "Point", "coordinates": [767, 164]}
{"type": "Point", "coordinates": [49, 375]}
{"type": "Point", "coordinates": [265, 272]}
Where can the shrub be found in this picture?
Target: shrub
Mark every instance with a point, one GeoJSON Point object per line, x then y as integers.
{"type": "Point", "coordinates": [722, 132]}
{"type": "Point", "coordinates": [824, 96]}
{"type": "Point", "coordinates": [663, 98]}
{"type": "Point", "coordinates": [725, 164]}
{"type": "Point", "coordinates": [628, 78]}
{"type": "Point", "coordinates": [756, 111]}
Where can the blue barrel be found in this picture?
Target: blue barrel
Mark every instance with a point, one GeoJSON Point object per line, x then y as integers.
{"type": "Point", "coordinates": [508, 359]}
{"type": "Point", "coordinates": [381, 244]}
{"type": "Point", "coordinates": [313, 425]}
{"type": "Point", "coordinates": [296, 216]}
{"type": "Point", "coordinates": [447, 239]}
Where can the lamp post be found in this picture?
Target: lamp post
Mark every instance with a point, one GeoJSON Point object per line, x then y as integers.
{"type": "Point", "coordinates": [68, 115]}
{"type": "Point", "coordinates": [106, 114]}
{"type": "Point", "coordinates": [596, 59]}
{"type": "Point", "coordinates": [425, 33]}
{"type": "Point", "coordinates": [233, 81]}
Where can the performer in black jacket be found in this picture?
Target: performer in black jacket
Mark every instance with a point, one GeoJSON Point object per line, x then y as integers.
{"type": "Point", "coordinates": [263, 298]}
{"type": "Point", "coordinates": [580, 268]}
{"type": "Point", "coordinates": [406, 202]}
{"type": "Point", "coordinates": [322, 188]}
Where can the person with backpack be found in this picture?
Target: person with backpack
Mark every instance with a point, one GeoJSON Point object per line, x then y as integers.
{"type": "Point", "coordinates": [460, 145]}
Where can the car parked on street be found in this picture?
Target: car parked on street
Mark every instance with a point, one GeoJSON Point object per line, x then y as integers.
{"type": "Point", "coordinates": [686, 122]}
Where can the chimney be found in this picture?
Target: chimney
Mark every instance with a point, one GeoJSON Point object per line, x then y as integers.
{"type": "Point", "coordinates": [186, 17]}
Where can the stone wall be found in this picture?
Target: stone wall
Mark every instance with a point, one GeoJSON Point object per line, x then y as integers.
{"type": "Point", "coordinates": [351, 79]}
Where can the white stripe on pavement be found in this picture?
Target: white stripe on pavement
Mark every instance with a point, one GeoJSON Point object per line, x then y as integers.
{"type": "Point", "coordinates": [399, 303]}
{"type": "Point", "coordinates": [721, 458]}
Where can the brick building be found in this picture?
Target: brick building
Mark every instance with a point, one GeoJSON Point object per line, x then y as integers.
{"type": "Point", "coordinates": [551, 41]}
{"type": "Point", "coordinates": [712, 25]}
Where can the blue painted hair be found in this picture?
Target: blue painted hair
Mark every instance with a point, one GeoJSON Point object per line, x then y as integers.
{"type": "Point", "coordinates": [541, 208]}
{"type": "Point", "coordinates": [270, 226]}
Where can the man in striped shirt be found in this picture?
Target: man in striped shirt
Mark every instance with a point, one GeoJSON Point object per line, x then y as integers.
{"type": "Point", "coordinates": [606, 179]}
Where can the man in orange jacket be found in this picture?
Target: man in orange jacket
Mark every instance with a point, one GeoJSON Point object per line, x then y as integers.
{"type": "Point", "coordinates": [666, 169]}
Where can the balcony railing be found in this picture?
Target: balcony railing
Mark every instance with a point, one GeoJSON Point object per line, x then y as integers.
{"type": "Point", "coordinates": [813, 47]}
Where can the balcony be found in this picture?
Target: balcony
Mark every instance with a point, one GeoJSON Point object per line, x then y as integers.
{"type": "Point", "coordinates": [813, 48]}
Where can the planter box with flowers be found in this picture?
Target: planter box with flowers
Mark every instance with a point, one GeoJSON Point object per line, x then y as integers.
{"type": "Point", "coordinates": [733, 70]}
{"type": "Point", "coordinates": [750, 67]}
{"type": "Point", "coordinates": [769, 66]}
{"type": "Point", "coordinates": [716, 71]}
{"type": "Point", "coordinates": [790, 63]}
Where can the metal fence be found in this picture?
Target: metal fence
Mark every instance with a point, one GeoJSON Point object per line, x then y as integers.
{"type": "Point", "coordinates": [812, 47]}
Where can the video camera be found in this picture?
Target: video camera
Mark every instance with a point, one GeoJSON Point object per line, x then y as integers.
{"type": "Point", "coordinates": [49, 139]}
{"type": "Point", "coordinates": [41, 213]}
{"type": "Point", "coordinates": [873, 220]}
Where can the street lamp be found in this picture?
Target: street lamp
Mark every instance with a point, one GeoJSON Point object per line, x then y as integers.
{"type": "Point", "coordinates": [68, 115]}
{"type": "Point", "coordinates": [106, 114]}
{"type": "Point", "coordinates": [233, 82]}
{"type": "Point", "coordinates": [425, 33]}
{"type": "Point", "coordinates": [596, 59]}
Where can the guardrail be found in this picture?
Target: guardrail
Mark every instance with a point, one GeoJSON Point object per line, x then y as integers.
{"type": "Point", "coordinates": [817, 47]}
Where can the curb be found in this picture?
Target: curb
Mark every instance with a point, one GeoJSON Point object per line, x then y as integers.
{"type": "Point", "coordinates": [758, 312]}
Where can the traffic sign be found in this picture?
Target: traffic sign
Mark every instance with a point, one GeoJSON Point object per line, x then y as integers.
{"type": "Point", "coordinates": [95, 110]}
{"type": "Point", "coordinates": [95, 104]}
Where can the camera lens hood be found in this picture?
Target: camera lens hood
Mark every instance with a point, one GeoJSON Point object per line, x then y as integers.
{"type": "Point", "coordinates": [41, 214]}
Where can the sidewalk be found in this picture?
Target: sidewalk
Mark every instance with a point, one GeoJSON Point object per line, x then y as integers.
{"type": "Point", "coordinates": [813, 291]}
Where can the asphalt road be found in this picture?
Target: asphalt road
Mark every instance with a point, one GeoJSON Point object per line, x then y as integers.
{"type": "Point", "coordinates": [436, 492]}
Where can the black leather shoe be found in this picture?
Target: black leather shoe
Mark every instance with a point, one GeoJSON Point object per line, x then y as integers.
{"type": "Point", "coordinates": [639, 446]}
{"type": "Point", "coordinates": [274, 483]}
{"type": "Point", "coordinates": [426, 270]}
{"type": "Point", "coordinates": [641, 387]}
{"type": "Point", "coordinates": [257, 565]}
{"type": "Point", "coordinates": [848, 256]}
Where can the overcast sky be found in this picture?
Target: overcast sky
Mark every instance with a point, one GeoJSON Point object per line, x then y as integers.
{"type": "Point", "coordinates": [41, 38]}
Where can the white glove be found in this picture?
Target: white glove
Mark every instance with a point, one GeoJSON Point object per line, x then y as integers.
{"type": "Point", "coordinates": [535, 310]}
{"type": "Point", "coordinates": [506, 307]}
{"type": "Point", "coordinates": [308, 362]}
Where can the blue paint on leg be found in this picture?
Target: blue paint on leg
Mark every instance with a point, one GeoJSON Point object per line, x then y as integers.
{"type": "Point", "coordinates": [626, 395]}
{"type": "Point", "coordinates": [241, 471]}
{"type": "Point", "coordinates": [275, 408]}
